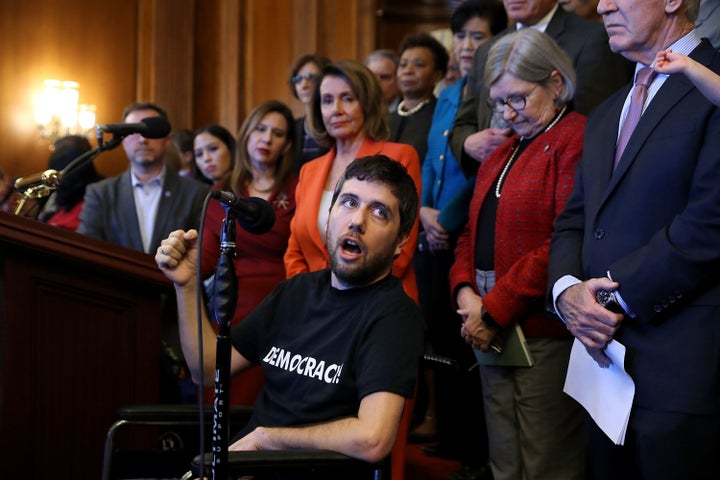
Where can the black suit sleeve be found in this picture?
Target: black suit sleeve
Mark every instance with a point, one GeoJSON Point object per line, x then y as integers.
{"type": "Point", "coordinates": [600, 72]}
{"type": "Point", "coordinates": [473, 115]}
{"type": "Point", "coordinates": [91, 215]}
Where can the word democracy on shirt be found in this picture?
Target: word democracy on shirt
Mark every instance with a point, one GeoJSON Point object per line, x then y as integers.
{"type": "Point", "coordinates": [308, 366]}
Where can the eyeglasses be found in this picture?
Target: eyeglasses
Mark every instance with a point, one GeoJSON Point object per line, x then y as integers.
{"type": "Point", "coordinates": [304, 76]}
{"type": "Point", "coordinates": [517, 102]}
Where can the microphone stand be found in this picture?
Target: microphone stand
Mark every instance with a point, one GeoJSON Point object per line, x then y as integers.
{"type": "Point", "coordinates": [89, 155]}
{"type": "Point", "coordinates": [51, 179]}
{"type": "Point", "coordinates": [48, 182]}
{"type": "Point", "coordinates": [224, 303]}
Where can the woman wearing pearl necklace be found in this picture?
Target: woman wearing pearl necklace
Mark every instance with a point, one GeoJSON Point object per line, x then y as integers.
{"type": "Point", "coordinates": [423, 63]}
{"type": "Point", "coordinates": [499, 278]}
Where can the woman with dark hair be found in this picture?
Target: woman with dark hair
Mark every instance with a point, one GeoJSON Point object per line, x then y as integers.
{"type": "Point", "coordinates": [348, 114]}
{"type": "Point", "coordinates": [304, 76]}
{"type": "Point", "coordinates": [262, 168]}
{"type": "Point", "coordinates": [423, 63]}
{"type": "Point", "coordinates": [443, 212]}
{"type": "Point", "coordinates": [182, 141]}
{"type": "Point", "coordinates": [213, 150]}
{"type": "Point", "coordinates": [64, 206]}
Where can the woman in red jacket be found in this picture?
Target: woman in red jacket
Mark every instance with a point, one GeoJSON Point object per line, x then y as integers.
{"type": "Point", "coordinates": [499, 276]}
{"type": "Point", "coordinates": [347, 113]}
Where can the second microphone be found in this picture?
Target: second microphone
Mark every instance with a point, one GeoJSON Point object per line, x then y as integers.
{"type": "Point", "coordinates": [254, 214]}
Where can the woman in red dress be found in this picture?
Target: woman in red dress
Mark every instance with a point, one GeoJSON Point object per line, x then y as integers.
{"type": "Point", "coordinates": [262, 168]}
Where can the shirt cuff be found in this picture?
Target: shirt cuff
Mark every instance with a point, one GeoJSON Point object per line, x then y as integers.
{"type": "Point", "coordinates": [562, 284]}
{"type": "Point", "coordinates": [621, 301]}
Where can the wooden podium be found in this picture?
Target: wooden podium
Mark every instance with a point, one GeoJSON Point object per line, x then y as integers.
{"type": "Point", "coordinates": [79, 337]}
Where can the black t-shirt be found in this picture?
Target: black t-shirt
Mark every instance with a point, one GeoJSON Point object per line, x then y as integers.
{"type": "Point", "coordinates": [322, 350]}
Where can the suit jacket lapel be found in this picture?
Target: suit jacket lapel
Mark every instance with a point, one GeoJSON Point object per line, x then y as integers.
{"type": "Point", "coordinates": [675, 88]}
{"type": "Point", "coordinates": [670, 94]}
{"type": "Point", "coordinates": [672, 91]}
{"type": "Point", "coordinates": [556, 26]}
{"type": "Point", "coordinates": [161, 227]}
{"type": "Point", "coordinates": [128, 213]}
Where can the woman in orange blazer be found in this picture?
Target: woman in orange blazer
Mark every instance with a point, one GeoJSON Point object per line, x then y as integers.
{"type": "Point", "coordinates": [348, 113]}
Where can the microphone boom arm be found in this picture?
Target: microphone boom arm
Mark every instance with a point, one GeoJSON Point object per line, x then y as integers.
{"type": "Point", "coordinates": [50, 179]}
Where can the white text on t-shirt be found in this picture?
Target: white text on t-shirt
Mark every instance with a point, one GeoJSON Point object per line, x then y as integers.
{"type": "Point", "coordinates": [303, 365]}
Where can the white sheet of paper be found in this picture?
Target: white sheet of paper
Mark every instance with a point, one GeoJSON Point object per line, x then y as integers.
{"type": "Point", "coordinates": [606, 393]}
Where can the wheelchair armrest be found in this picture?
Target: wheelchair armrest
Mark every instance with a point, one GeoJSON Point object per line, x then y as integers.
{"type": "Point", "coordinates": [287, 461]}
{"type": "Point", "coordinates": [181, 413]}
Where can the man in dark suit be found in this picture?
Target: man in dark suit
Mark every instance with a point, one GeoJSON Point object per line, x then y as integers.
{"type": "Point", "coordinates": [599, 73]}
{"type": "Point", "coordinates": [646, 233]}
{"type": "Point", "coordinates": [140, 207]}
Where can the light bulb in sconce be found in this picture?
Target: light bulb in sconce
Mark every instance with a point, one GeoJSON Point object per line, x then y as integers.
{"type": "Point", "coordinates": [86, 116]}
{"type": "Point", "coordinates": [58, 113]}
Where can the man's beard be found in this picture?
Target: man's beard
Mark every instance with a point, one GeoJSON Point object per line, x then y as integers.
{"type": "Point", "coordinates": [146, 159]}
{"type": "Point", "coordinates": [362, 272]}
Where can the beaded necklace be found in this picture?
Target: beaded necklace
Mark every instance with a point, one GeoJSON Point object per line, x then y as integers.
{"type": "Point", "coordinates": [498, 185]}
{"type": "Point", "coordinates": [415, 109]}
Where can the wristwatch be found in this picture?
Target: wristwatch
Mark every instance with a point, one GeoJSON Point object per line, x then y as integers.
{"type": "Point", "coordinates": [607, 299]}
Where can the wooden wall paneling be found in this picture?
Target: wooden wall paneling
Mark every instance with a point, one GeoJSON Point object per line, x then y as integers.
{"type": "Point", "coordinates": [204, 61]}
{"type": "Point", "coordinates": [305, 29]}
{"type": "Point", "coordinates": [231, 60]}
{"type": "Point", "coordinates": [218, 63]}
{"type": "Point", "coordinates": [397, 18]}
{"type": "Point", "coordinates": [206, 64]}
{"type": "Point", "coordinates": [146, 44]}
{"type": "Point", "coordinates": [367, 26]}
{"type": "Point", "coordinates": [92, 43]}
{"type": "Point", "coordinates": [165, 57]}
{"type": "Point", "coordinates": [268, 50]}
{"type": "Point", "coordinates": [340, 29]}
{"type": "Point", "coordinates": [305, 38]}
{"type": "Point", "coordinates": [348, 28]}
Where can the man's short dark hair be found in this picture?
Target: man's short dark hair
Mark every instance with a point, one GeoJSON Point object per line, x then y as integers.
{"type": "Point", "coordinates": [384, 170]}
{"type": "Point", "coordinates": [134, 107]}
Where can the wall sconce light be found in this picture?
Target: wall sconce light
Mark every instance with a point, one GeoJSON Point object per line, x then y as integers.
{"type": "Point", "coordinates": [58, 113]}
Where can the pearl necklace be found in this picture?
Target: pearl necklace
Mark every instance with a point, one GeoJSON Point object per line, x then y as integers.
{"type": "Point", "coordinates": [498, 185]}
{"type": "Point", "coordinates": [505, 169]}
{"type": "Point", "coordinates": [415, 109]}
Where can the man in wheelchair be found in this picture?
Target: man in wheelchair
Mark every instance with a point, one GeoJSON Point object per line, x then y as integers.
{"type": "Point", "coordinates": [339, 347]}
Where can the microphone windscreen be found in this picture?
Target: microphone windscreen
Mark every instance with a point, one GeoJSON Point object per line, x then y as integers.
{"type": "Point", "coordinates": [157, 127]}
{"type": "Point", "coordinates": [262, 220]}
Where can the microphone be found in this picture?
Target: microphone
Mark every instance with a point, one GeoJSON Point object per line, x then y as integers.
{"type": "Point", "coordinates": [150, 127]}
{"type": "Point", "coordinates": [254, 214]}
{"type": "Point", "coordinates": [49, 178]}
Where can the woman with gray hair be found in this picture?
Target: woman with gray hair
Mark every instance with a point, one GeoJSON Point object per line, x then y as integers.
{"type": "Point", "coordinates": [499, 277]}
